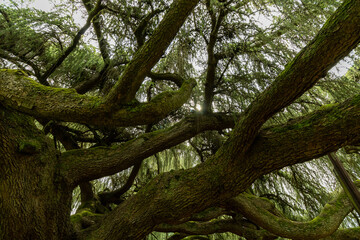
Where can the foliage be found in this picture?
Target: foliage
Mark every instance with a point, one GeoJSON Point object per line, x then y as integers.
{"type": "Point", "coordinates": [233, 49]}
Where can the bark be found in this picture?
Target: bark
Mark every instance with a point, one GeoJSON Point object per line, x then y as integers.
{"type": "Point", "coordinates": [26, 95]}
{"type": "Point", "coordinates": [34, 201]}
{"type": "Point", "coordinates": [345, 234]}
{"type": "Point", "coordinates": [88, 164]}
{"type": "Point", "coordinates": [241, 228]}
{"type": "Point", "coordinates": [177, 79]}
{"type": "Point", "coordinates": [150, 53]}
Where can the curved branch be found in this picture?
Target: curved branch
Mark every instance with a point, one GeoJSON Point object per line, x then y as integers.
{"type": "Point", "coordinates": [12, 57]}
{"type": "Point", "coordinates": [150, 53]}
{"type": "Point", "coordinates": [257, 210]}
{"type": "Point", "coordinates": [26, 95]}
{"type": "Point", "coordinates": [99, 78]}
{"type": "Point", "coordinates": [326, 223]}
{"type": "Point", "coordinates": [114, 196]}
{"type": "Point", "coordinates": [175, 78]}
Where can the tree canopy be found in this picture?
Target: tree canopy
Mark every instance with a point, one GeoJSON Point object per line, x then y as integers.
{"type": "Point", "coordinates": [178, 119]}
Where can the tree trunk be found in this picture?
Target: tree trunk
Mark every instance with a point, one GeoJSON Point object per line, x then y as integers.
{"type": "Point", "coordinates": [35, 202]}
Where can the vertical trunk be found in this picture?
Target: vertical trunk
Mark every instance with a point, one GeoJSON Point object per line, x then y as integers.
{"type": "Point", "coordinates": [34, 201]}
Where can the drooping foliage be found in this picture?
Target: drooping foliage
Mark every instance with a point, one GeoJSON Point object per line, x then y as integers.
{"type": "Point", "coordinates": [234, 50]}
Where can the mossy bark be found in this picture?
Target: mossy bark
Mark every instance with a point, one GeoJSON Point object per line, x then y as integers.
{"type": "Point", "coordinates": [26, 95]}
{"type": "Point", "coordinates": [34, 201]}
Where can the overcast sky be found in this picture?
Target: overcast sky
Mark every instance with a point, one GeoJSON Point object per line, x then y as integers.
{"type": "Point", "coordinates": [42, 4]}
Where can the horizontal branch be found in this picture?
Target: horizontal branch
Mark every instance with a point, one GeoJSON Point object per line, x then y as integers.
{"type": "Point", "coordinates": [345, 234]}
{"type": "Point", "coordinates": [326, 223]}
{"type": "Point", "coordinates": [26, 95]}
{"type": "Point", "coordinates": [175, 78]}
{"type": "Point", "coordinates": [88, 164]}
{"type": "Point", "coordinates": [241, 228]}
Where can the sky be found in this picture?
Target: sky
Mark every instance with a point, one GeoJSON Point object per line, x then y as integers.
{"type": "Point", "coordinates": [44, 5]}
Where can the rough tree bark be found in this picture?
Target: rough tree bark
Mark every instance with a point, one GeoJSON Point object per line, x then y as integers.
{"type": "Point", "coordinates": [34, 199]}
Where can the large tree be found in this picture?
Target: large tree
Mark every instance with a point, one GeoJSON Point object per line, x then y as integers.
{"type": "Point", "coordinates": [82, 103]}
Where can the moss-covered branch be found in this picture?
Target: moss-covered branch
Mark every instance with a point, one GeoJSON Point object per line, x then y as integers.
{"type": "Point", "coordinates": [175, 78]}
{"type": "Point", "coordinates": [306, 138]}
{"type": "Point", "coordinates": [345, 234]}
{"type": "Point", "coordinates": [262, 213]}
{"type": "Point", "coordinates": [150, 53]}
{"type": "Point", "coordinates": [241, 228]}
{"type": "Point", "coordinates": [89, 164]}
{"type": "Point", "coordinates": [339, 35]}
{"type": "Point", "coordinates": [326, 223]}
{"type": "Point", "coordinates": [189, 191]}
{"type": "Point", "coordinates": [26, 95]}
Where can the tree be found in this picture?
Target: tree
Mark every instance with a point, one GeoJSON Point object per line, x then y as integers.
{"type": "Point", "coordinates": [114, 105]}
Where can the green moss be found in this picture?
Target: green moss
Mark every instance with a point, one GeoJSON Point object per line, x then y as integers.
{"type": "Point", "coordinates": [84, 213]}
{"type": "Point", "coordinates": [14, 71]}
{"type": "Point", "coordinates": [326, 113]}
{"type": "Point", "coordinates": [76, 218]}
{"type": "Point", "coordinates": [355, 100]}
{"type": "Point", "coordinates": [328, 106]}
{"type": "Point", "coordinates": [30, 146]}
{"type": "Point", "coordinates": [196, 237]}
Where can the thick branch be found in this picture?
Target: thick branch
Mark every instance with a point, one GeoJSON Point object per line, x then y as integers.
{"type": "Point", "coordinates": [89, 164]}
{"type": "Point", "coordinates": [150, 53]}
{"type": "Point", "coordinates": [257, 210]}
{"type": "Point", "coordinates": [175, 78]}
{"type": "Point", "coordinates": [336, 39]}
{"type": "Point", "coordinates": [24, 94]}
{"type": "Point", "coordinates": [241, 228]}
{"type": "Point", "coordinates": [323, 225]}
{"type": "Point", "coordinates": [208, 184]}
{"type": "Point", "coordinates": [99, 78]}
{"type": "Point", "coordinates": [345, 234]}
